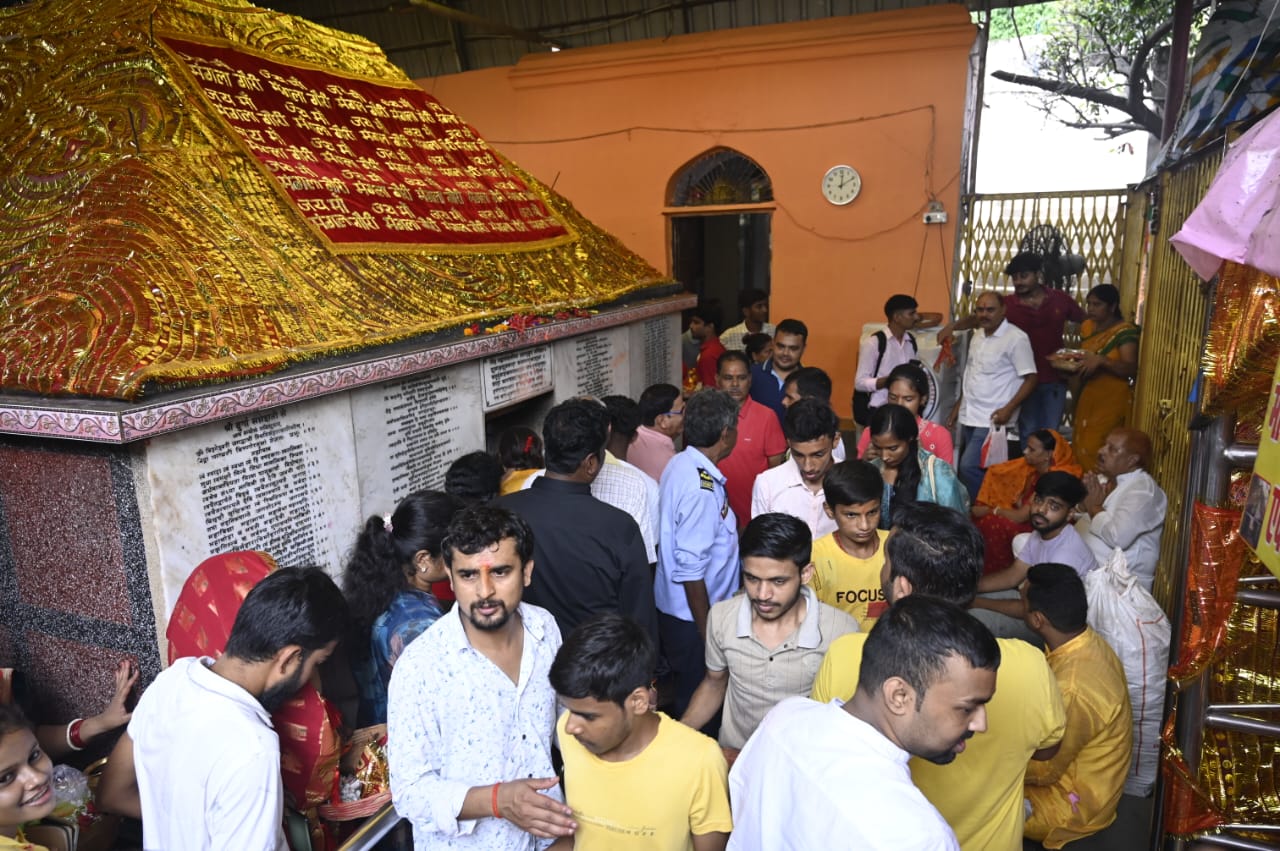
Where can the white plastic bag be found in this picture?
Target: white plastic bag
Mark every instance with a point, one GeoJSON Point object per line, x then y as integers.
{"type": "Point", "coordinates": [995, 448]}
{"type": "Point", "coordinates": [1132, 622]}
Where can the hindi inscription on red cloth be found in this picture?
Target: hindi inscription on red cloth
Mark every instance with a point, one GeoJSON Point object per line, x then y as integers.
{"type": "Point", "coordinates": [368, 164]}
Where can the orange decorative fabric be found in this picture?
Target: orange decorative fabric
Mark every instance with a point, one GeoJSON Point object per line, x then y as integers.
{"type": "Point", "coordinates": [1213, 572]}
{"type": "Point", "coordinates": [201, 621]}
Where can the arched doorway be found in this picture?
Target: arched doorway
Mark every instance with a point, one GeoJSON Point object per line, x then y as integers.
{"type": "Point", "coordinates": [720, 206]}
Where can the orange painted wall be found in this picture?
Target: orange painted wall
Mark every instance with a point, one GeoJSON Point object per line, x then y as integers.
{"type": "Point", "coordinates": [608, 127]}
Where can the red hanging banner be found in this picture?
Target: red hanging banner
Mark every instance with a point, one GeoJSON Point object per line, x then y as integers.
{"type": "Point", "coordinates": [369, 165]}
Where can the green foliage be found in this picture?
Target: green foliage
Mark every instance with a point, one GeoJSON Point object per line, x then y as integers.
{"type": "Point", "coordinates": [1092, 46]}
{"type": "Point", "coordinates": [1023, 21]}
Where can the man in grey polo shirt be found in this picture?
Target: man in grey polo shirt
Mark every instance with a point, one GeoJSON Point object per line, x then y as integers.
{"type": "Point", "coordinates": [766, 644]}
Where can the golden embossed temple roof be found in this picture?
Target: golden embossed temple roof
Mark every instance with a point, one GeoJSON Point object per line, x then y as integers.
{"type": "Point", "coordinates": [146, 244]}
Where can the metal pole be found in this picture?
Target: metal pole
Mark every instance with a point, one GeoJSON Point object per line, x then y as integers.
{"type": "Point", "coordinates": [1182, 14]}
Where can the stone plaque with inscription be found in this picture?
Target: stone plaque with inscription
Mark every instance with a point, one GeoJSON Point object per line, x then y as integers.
{"type": "Point", "coordinates": [279, 481]}
{"type": "Point", "coordinates": [595, 364]}
{"type": "Point", "coordinates": [407, 433]}
{"type": "Point", "coordinates": [655, 352]}
{"type": "Point", "coordinates": [516, 376]}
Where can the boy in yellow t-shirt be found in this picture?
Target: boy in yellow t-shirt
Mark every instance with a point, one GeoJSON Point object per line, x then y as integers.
{"type": "Point", "coordinates": [847, 562]}
{"type": "Point", "coordinates": [634, 778]}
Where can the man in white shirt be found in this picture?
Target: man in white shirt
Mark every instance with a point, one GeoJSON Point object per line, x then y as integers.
{"type": "Point", "coordinates": [1125, 506]}
{"type": "Point", "coordinates": [470, 711]}
{"type": "Point", "coordinates": [794, 487]}
{"type": "Point", "coordinates": [828, 776]}
{"type": "Point", "coordinates": [1052, 540]}
{"type": "Point", "coordinates": [754, 305]}
{"type": "Point", "coordinates": [999, 374]}
{"type": "Point", "coordinates": [883, 350]}
{"type": "Point", "coordinates": [200, 762]}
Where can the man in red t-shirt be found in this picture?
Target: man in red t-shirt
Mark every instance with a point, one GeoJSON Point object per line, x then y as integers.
{"type": "Point", "coordinates": [1041, 312]}
{"type": "Point", "coordinates": [760, 442]}
{"type": "Point", "coordinates": [704, 326]}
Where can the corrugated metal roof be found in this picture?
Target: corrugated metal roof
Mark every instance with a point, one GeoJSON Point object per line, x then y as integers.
{"type": "Point", "coordinates": [428, 38]}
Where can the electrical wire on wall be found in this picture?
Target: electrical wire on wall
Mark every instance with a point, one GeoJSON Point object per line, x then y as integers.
{"type": "Point", "coordinates": [718, 134]}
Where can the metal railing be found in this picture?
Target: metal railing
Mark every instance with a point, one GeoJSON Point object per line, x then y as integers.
{"type": "Point", "coordinates": [1093, 223]}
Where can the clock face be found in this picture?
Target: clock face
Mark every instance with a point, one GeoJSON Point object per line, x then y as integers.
{"type": "Point", "coordinates": [841, 184]}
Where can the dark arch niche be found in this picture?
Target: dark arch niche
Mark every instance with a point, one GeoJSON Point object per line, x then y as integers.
{"type": "Point", "coordinates": [720, 207]}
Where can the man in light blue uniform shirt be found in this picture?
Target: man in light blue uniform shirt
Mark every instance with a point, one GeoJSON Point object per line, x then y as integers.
{"type": "Point", "coordinates": [697, 539]}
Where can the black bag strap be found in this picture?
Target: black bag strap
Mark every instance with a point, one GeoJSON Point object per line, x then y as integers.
{"type": "Point", "coordinates": [881, 341]}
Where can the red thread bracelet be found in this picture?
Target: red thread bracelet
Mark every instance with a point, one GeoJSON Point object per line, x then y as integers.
{"type": "Point", "coordinates": [496, 814]}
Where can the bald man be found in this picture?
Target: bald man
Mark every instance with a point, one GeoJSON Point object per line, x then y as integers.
{"type": "Point", "coordinates": [1126, 507]}
{"type": "Point", "coordinates": [999, 375]}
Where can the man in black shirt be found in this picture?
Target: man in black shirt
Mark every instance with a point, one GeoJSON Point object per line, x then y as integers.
{"type": "Point", "coordinates": [589, 556]}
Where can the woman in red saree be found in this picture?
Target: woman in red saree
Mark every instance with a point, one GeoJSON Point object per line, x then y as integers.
{"type": "Point", "coordinates": [308, 725]}
{"type": "Point", "coordinates": [1003, 507]}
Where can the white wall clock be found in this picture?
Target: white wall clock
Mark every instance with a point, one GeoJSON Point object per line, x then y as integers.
{"type": "Point", "coordinates": [841, 184]}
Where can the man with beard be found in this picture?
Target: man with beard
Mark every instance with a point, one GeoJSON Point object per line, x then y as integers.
{"type": "Point", "coordinates": [200, 762]}
{"type": "Point", "coordinates": [765, 645]}
{"type": "Point", "coordinates": [470, 712]}
{"type": "Point", "coordinates": [1053, 539]}
{"type": "Point", "coordinates": [828, 776]}
{"type": "Point", "coordinates": [760, 444]}
{"type": "Point", "coordinates": [935, 551]}
{"type": "Point", "coordinates": [635, 778]}
{"type": "Point", "coordinates": [812, 431]}
{"type": "Point", "coordinates": [789, 340]}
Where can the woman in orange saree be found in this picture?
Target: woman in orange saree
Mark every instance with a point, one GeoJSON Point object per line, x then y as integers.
{"type": "Point", "coordinates": [1103, 396]}
{"type": "Point", "coordinates": [1003, 507]}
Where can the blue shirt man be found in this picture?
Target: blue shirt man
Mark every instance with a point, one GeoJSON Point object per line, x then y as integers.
{"type": "Point", "coordinates": [697, 538]}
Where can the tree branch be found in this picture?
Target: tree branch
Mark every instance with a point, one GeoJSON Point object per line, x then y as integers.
{"type": "Point", "coordinates": [1147, 119]}
{"type": "Point", "coordinates": [1137, 71]}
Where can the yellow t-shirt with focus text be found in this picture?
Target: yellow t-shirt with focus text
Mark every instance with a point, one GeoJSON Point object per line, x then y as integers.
{"type": "Point", "coordinates": [675, 788]}
{"type": "Point", "coordinates": [980, 794]}
{"type": "Point", "coordinates": [848, 583]}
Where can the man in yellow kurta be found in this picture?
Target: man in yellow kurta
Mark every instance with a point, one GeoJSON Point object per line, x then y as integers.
{"type": "Point", "coordinates": [1076, 793]}
{"type": "Point", "coordinates": [935, 551]}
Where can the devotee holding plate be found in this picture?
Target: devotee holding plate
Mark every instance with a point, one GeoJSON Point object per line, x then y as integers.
{"type": "Point", "coordinates": [1104, 395]}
